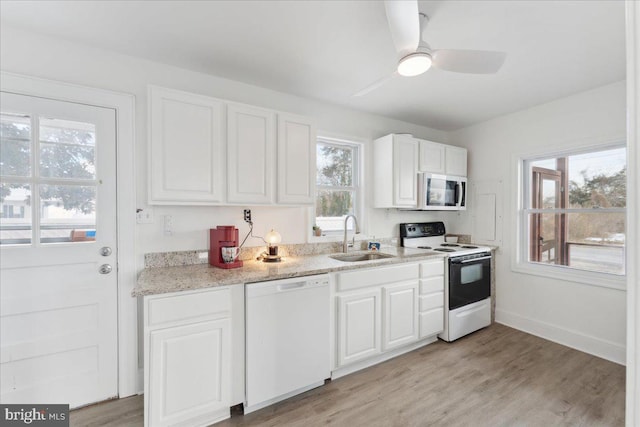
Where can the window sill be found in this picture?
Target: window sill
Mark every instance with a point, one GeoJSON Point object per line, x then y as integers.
{"type": "Point", "coordinates": [592, 278]}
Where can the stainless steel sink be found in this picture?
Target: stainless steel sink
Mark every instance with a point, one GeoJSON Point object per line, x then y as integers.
{"type": "Point", "coordinates": [360, 257]}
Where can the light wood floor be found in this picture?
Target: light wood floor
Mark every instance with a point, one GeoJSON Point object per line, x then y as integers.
{"type": "Point", "coordinates": [495, 377]}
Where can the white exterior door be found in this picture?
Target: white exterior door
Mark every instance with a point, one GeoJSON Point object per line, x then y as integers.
{"type": "Point", "coordinates": [58, 278]}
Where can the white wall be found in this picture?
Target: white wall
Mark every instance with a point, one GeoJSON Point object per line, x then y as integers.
{"type": "Point", "coordinates": [587, 317]}
{"type": "Point", "coordinates": [56, 59]}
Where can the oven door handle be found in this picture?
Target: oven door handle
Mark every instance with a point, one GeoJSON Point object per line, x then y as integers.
{"type": "Point", "coordinates": [467, 261]}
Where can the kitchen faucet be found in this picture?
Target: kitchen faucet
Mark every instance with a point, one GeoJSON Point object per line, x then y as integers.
{"type": "Point", "coordinates": [345, 245]}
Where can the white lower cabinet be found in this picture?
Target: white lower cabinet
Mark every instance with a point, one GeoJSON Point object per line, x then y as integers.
{"type": "Point", "coordinates": [400, 307]}
{"type": "Point", "coordinates": [187, 350]}
{"type": "Point", "coordinates": [189, 373]}
{"type": "Point", "coordinates": [431, 300]}
{"type": "Point", "coordinates": [359, 320]}
{"type": "Point", "coordinates": [378, 311]}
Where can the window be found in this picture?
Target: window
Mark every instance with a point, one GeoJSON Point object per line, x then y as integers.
{"type": "Point", "coordinates": [574, 208]}
{"type": "Point", "coordinates": [338, 183]}
{"type": "Point", "coordinates": [48, 177]}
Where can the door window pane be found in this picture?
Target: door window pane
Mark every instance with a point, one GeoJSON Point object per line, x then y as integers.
{"type": "Point", "coordinates": [550, 193]}
{"type": "Point", "coordinates": [15, 214]}
{"type": "Point", "coordinates": [67, 213]}
{"type": "Point", "coordinates": [67, 149]}
{"type": "Point", "coordinates": [15, 145]}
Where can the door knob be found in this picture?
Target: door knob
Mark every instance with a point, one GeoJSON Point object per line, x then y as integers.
{"type": "Point", "coordinates": [105, 269]}
{"type": "Point", "coordinates": [105, 251]}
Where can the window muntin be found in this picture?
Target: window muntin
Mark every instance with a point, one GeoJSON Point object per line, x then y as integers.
{"type": "Point", "coordinates": [337, 184]}
{"type": "Point", "coordinates": [574, 210]}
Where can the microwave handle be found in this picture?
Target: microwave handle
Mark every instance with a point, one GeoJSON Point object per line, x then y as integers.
{"type": "Point", "coordinates": [457, 194]}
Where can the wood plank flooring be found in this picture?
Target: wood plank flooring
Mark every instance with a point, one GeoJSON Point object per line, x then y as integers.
{"type": "Point", "coordinates": [495, 377]}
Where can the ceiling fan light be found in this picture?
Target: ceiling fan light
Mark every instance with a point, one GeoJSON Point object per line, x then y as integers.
{"type": "Point", "coordinates": [414, 64]}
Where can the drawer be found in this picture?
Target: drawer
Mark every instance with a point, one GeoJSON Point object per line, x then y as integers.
{"type": "Point", "coordinates": [376, 276]}
{"type": "Point", "coordinates": [431, 301]}
{"type": "Point", "coordinates": [432, 284]}
{"type": "Point", "coordinates": [432, 268]}
{"type": "Point", "coordinates": [176, 308]}
{"type": "Point", "coordinates": [431, 322]}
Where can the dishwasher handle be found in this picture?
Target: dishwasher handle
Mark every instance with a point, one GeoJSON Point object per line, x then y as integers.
{"type": "Point", "coordinates": [259, 289]}
{"type": "Point", "coordinates": [291, 286]}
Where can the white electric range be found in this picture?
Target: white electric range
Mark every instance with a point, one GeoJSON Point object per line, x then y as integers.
{"type": "Point", "coordinates": [467, 277]}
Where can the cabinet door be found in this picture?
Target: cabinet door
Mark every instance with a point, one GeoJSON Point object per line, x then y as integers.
{"type": "Point", "coordinates": [400, 308]}
{"type": "Point", "coordinates": [405, 171]}
{"type": "Point", "coordinates": [189, 374]}
{"type": "Point", "coordinates": [185, 148]}
{"type": "Point", "coordinates": [456, 161]}
{"type": "Point", "coordinates": [432, 155]}
{"type": "Point", "coordinates": [359, 322]}
{"type": "Point", "coordinates": [251, 150]}
{"type": "Point", "coordinates": [296, 159]}
{"type": "Point", "coordinates": [431, 322]}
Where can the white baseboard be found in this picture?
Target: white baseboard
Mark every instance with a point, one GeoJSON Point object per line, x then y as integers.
{"type": "Point", "coordinates": [589, 344]}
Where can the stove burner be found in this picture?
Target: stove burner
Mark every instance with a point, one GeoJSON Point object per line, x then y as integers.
{"type": "Point", "coordinates": [470, 247]}
{"type": "Point", "coordinates": [424, 247]}
{"type": "Point", "coordinates": [453, 245]}
{"type": "Point", "coordinates": [444, 249]}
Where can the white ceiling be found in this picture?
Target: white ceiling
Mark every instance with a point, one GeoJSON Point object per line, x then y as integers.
{"type": "Point", "coordinates": [329, 50]}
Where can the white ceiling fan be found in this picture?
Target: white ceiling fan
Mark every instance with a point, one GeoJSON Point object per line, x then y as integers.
{"type": "Point", "coordinates": [407, 25]}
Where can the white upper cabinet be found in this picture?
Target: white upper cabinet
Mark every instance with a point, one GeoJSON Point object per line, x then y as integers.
{"type": "Point", "coordinates": [456, 161]}
{"type": "Point", "coordinates": [185, 148]}
{"type": "Point", "coordinates": [432, 155]}
{"type": "Point", "coordinates": [251, 150]}
{"type": "Point", "coordinates": [267, 161]}
{"type": "Point", "coordinates": [296, 159]}
{"type": "Point", "coordinates": [442, 158]}
{"type": "Point", "coordinates": [395, 160]}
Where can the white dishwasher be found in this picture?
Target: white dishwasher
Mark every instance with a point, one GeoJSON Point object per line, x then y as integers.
{"type": "Point", "coordinates": [287, 333]}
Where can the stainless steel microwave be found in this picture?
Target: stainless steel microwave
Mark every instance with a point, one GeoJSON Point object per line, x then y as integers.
{"type": "Point", "coordinates": [442, 192]}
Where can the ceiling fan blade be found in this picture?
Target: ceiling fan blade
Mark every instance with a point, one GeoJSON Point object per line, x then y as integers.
{"type": "Point", "coordinates": [404, 24]}
{"type": "Point", "coordinates": [468, 61]}
{"type": "Point", "coordinates": [375, 85]}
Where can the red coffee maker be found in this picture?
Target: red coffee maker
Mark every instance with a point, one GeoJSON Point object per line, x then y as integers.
{"type": "Point", "coordinates": [220, 237]}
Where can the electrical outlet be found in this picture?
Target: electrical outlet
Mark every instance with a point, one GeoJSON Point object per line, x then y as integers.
{"type": "Point", "coordinates": [247, 215]}
{"type": "Point", "coordinates": [168, 225]}
{"type": "Point", "coordinates": [144, 216]}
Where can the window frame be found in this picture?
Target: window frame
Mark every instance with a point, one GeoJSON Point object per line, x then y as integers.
{"type": "Point", "coordinates": [521, 196]}
{"type": "Point", "coordinates": [357, 186]}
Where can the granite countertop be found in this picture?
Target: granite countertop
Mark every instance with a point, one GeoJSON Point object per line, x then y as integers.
{"type": "Point", "coordinates": [161, 280]}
